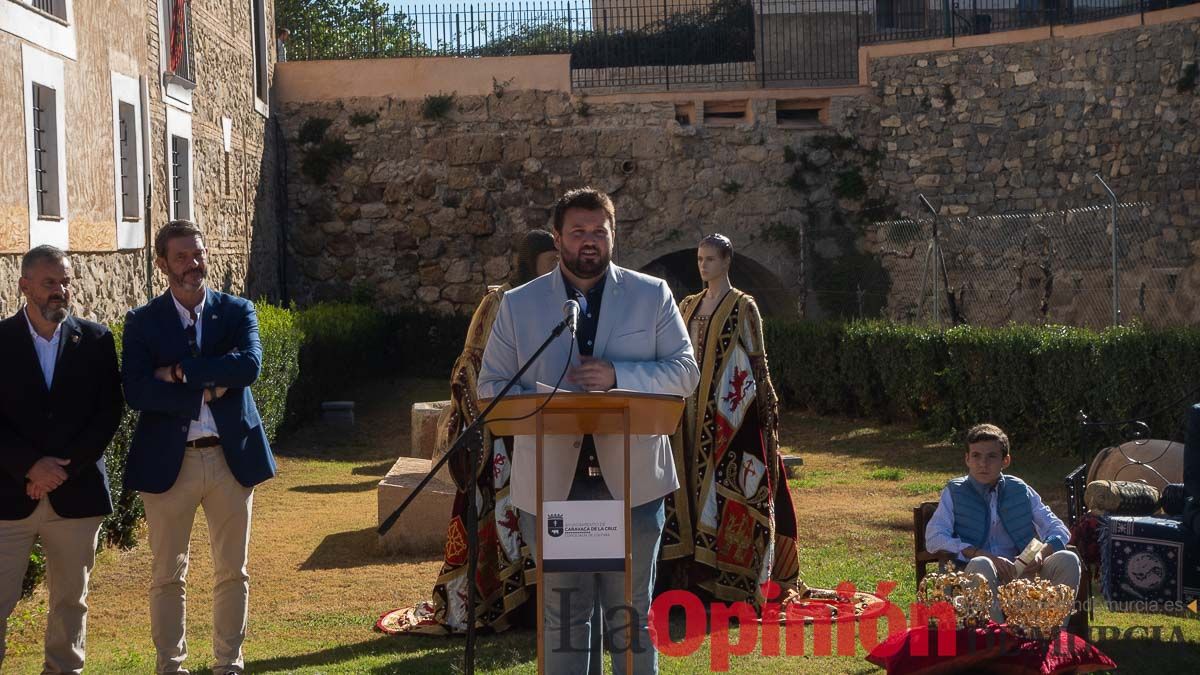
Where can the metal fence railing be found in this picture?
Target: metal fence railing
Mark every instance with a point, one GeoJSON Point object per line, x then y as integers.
{"type": "Point", "coordinates": [667, 43]}
{"type": "Point", "coordinates": [899, 20]}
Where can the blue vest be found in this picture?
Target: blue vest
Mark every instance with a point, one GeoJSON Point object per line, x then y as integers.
{"type": "Point", "coordinates": [972, 519]}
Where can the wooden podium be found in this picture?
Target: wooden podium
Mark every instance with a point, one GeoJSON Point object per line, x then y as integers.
{"type": "Point", "coordinates": [576, 414]}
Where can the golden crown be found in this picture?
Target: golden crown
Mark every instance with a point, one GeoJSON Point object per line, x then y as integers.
{"type": "Point", "coordinates": [1035, 606]}
{"type": "Point", "coordinates": [969, 595]}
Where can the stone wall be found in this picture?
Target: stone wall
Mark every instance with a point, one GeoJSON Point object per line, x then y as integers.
{"type": "Point", "coordinates": [426, 211]}
{"type": "Point", "coordinates": [1023, 128]}
{"type": "Point", "coordinates": [107, 284]}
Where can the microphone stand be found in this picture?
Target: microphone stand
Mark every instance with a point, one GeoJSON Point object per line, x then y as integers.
{"type": "Point", "coordinates": [470, 438]}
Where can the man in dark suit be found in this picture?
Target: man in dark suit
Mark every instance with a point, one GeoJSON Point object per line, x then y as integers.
{"type": "Point", "coordinates": [60, 403]}
{"type": "Point", "coordinates": [190, 356]}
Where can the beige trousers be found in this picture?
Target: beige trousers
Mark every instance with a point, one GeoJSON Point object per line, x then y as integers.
{"type": "Point", "coordinates": [204, 481]}
{"type": "Point", "coordinates": [70, 548]}
{"type": "Point", "coordinates": [1060, 567]}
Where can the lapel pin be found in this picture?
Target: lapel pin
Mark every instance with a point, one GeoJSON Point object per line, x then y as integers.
{"type": "Point", "coordinates": [75, 339]}
{"type": "Point", "coordinates": [213, 317]}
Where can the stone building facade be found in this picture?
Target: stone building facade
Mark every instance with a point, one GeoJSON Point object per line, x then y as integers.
{"type": "Point", "coordinates": [108, 133]}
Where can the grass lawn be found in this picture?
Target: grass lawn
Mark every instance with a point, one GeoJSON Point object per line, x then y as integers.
{"type": "Point", "coordinates": [318, 581]}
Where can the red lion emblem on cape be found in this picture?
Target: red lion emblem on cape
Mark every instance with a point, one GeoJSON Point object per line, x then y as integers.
{"type": "Point", "coordinates": [737, 388]}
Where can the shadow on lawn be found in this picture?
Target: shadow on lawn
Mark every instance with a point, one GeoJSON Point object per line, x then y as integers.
{"type": "Point", "coordinates": [415, 655]}
{"type": "Point", "coordinates": [378, 469]}
{"type": "Point", "coordinates": [334, 488]}
{"type": "Point", "coordinates": [899, 447]}
{"type": "Point", "coordinates": [347, 550]}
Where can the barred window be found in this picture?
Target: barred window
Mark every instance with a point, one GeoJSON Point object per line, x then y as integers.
{"type": "Point", "coordinates": [259, 36]}
{"type": "Point", "coordinates": [181, 178]}
{"type": "Point", "coordinates": [129, 163]}
{"type": "Point", "coordinates": [44, 115]}
{"type": "Point", "coordinates": [55, 8]}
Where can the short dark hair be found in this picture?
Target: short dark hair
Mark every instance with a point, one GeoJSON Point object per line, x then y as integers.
{"type": "Point", "coordinates": [174, 230]}
{"type": "Point", "coordinates": [588, 199]}
{"type": "Point", "coordinates": [987, 432]}
{"type": "Point", "coordinates": [37, 254]}
{"type": "Point", "coordinates": [719, 242]}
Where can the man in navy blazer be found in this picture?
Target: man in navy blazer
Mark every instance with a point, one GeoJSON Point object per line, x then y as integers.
{"type": "Point", "coordinates": [190, 356]}
{"type": "Point", "coordinates": [60, 403]}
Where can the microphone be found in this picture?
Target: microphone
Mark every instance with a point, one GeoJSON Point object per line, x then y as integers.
{"type": "Point", "coordinates": [571, 314]}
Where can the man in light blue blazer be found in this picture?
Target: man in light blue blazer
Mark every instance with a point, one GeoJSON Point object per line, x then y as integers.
{"type": "Point", "coordinates": [630, 336]}
{"type": "Point", "coordinates": [190, 356]}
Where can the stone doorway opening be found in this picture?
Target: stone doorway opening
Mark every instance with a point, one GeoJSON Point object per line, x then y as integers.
{"type": "Point", "coordinates": [771, 295]}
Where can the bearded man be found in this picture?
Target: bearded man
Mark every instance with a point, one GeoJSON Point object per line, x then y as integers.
{"type": "Point", "coordinates": [630, 335]}
{"type": "Point", "coordinates": [60, 404]}
{"type": "Point", "coordinates": [190, 356]}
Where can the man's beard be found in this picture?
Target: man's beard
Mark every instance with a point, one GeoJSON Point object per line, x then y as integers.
{"type": "Point", "coordinates": [190, 278]}
{"type": "Point", "coordinates": [586, 269]}
{"type": "Point", "coordinates": [57, 314]}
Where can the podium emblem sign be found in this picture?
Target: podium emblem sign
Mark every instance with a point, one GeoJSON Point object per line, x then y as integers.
{"type": "Point", "coordinates": [584, 536]}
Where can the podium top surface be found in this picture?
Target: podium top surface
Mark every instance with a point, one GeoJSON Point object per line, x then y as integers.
{"type": "Point", "coordinates": [586, 413]}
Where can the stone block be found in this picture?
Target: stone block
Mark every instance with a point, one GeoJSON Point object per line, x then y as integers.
{"type": "Point", "coordinates": [792, 465]}
{"type": "Point", "coordinates": [338, 413]}
{"type": "Point", "coordinates": [424, 427]}
{"type": "Point", "coordinates": [421, 530]}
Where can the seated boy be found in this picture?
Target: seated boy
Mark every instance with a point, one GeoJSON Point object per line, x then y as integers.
{"type": "Point", "coordinates": [987, 518]}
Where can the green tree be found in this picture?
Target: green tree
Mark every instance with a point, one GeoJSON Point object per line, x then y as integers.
{"type": "Point", "coordinates": [347, 29]}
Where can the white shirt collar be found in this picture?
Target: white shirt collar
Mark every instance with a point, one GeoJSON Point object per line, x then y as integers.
{"type": "Point", "coordinates": [33, 331]}
{"type": "Point", "coordinates": [184, 313]}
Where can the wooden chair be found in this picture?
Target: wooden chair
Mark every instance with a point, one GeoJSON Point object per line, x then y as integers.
{"type": "Point", "coordinates": [1076, 511]}
{"type": "Point", "coordinates": [1076, 624]}
{"type": "Point", "coordinates": [922, 558]}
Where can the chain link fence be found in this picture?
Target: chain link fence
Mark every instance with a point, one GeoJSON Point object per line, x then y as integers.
{"type": "Point", "coordinates": [1053, 267]}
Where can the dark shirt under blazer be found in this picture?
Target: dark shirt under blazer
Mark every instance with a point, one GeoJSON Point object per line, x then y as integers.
{"type": "Point", "coordinates": [74, 418]}
{"type": "Point", "coordinates": [230, 356]}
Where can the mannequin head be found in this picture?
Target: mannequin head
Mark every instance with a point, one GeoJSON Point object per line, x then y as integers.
{"type": "Point", "coordinates": [714, 256]}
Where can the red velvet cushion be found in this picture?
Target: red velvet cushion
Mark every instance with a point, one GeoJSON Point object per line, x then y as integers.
{"type": "Point", "coordinates": [990, 649]}
{"type": "Point", "coordinates": [1067, 653]}
{"type": "Point", "coordinates": [916, 651]}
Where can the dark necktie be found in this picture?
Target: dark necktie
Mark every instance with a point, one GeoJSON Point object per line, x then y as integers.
{"type": "Point", "coordinates": [193, 346]}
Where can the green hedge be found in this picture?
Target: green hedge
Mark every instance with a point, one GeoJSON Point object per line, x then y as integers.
{"type": "Point", "coordinates": [1031, 380]}
{"type": "Point", "coordinates": [346, 343]}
